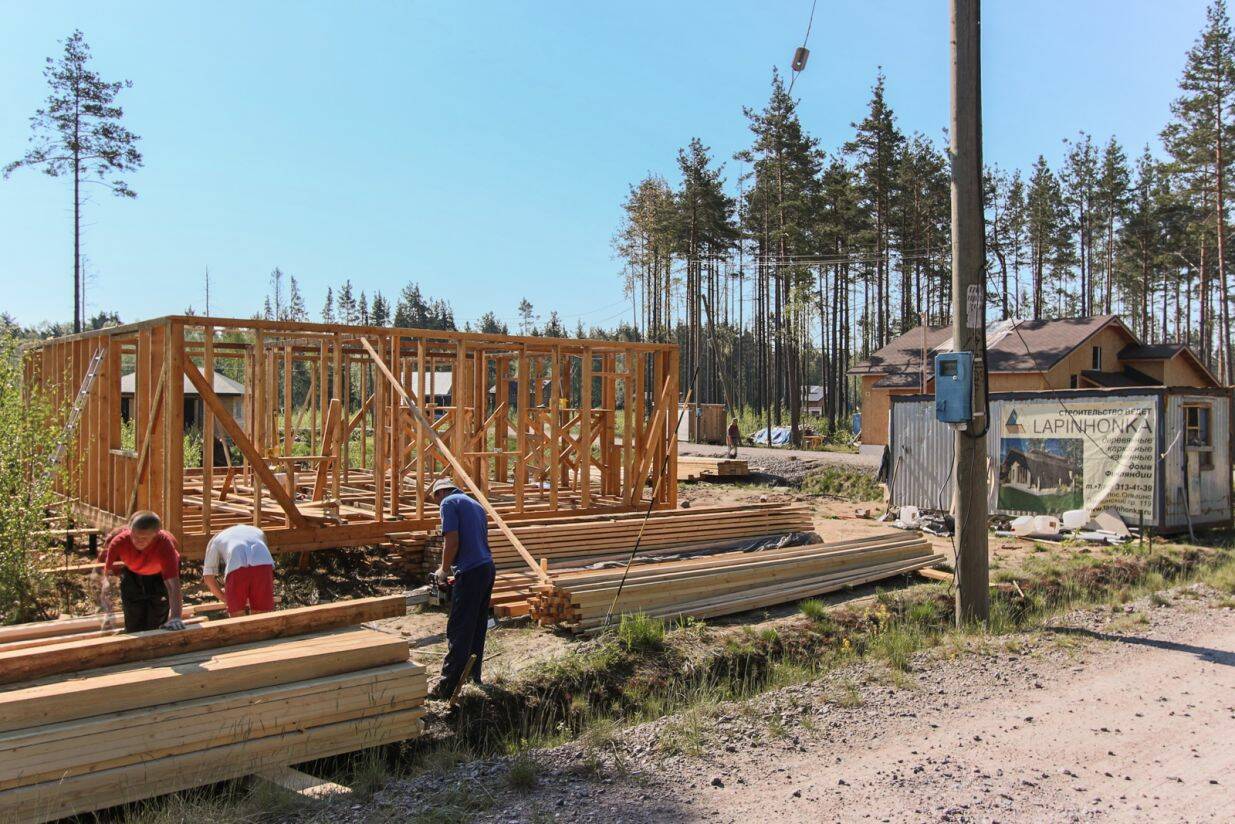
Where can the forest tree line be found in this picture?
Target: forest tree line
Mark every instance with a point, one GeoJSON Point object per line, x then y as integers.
{"type": "Point", "coordinates": [813, 258]}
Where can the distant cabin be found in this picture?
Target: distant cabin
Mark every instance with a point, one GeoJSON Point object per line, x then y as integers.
{"type": "Point", "coordinates": [229, 391]}
{"type": "Point", "coordinates": [1028, 355]}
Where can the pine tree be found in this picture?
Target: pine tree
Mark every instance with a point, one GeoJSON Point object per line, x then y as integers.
{"type": "Point", "coordinates": [410, 311]}
{"type": "Point", "coordinates": [553, 326]}
{"type": "Point", "coordinates": [778, 215]}
{"type": "Point", "coordinates": [645, 241]}
{"type": "Point", "coordinates": [1141, 238]}
{"type": "Point", "coordinates": [328, 307]}
{"type": "Point", "coordinates": [1199, 137]}
{"type": "Point", "coordinates": [490, 325]}
{"type": "Point", "coordinates": [1110, 206]}
{"type": "Point", "coordinates": [277, 309]}
{"type": "Point", "coordinates": [295, 301]}
{"type": "Point", "coordinates": [79, 132]}
{"type": "Point", "coordinates": [347, 304]}
{"type": "Point", "coordinates": [380, 312]}
{"type": "Point", "coordinates": [1079, 179]}
{"type": "Point", "coordinates": [527, 320]}
{"type": "Point", "coordinates": [1044, 229]}
{"type": "Point", "coordinates": [362, 310]}
{"type": "Point", "coordinates": [877, 147]}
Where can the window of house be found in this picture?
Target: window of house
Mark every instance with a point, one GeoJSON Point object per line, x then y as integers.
{"type": "Point", "coordinates": [1097, 358]}
{"type": "Point", "coordinates": [1198, 435]}
{"type": "Point", "coordinates": [1072, 382]}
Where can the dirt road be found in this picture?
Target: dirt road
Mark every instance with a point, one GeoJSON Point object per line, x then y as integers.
{"type": "Point", "coordinates": [1125, 716]}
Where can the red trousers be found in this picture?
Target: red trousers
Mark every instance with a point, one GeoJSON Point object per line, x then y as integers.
{"type": "Point", "coordinates": [250, 588]}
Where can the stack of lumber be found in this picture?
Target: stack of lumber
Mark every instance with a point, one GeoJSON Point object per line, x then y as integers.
{"type": "Point", "coordinates": [567, 542]}
{"type": "Point", "coordinates": [90, 724]}
{"type": "Point", "coordinates": [726, 583]}
{"type": "Point", "coordinates": [694, 467]}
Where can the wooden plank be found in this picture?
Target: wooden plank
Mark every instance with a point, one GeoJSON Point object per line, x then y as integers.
{"type": "Point", "coordinates": [197, 674]}
{"type": "Point", "coordinates": [303, 784]}
{"type": "Point", "coordinates": [333, 418]}
{"type": "Point", "coordinates": [57, 799]}
{"type": "Point", "coordinates": [22, 665]}
{"type": "Point", "coordinates": [143, 457]}
{"type": "Point", "coordinates": [68, 748]}
{"type": "Point", "coordinates": [245, 446]}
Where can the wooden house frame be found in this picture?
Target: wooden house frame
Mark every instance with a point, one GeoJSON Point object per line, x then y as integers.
{"type": "Point", "coordinates": [352, 462]}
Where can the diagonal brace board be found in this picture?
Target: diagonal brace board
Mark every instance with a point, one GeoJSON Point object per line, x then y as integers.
{"type": "Point", "coordinates": [206, 392]}
{"type": "Point", "coordinates": [460, 472]}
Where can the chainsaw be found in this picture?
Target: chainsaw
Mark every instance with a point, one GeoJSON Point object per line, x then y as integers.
{"type": "Point", "coordinates": [439, 592]}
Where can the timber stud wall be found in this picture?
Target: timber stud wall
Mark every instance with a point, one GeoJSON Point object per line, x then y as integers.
{"type": "Point", "coordinates": [350, 464]}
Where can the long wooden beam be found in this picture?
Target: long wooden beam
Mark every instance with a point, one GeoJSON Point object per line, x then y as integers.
{"type": "Point", "coordinates": [74, 656]}
{"type": "Point", "coordinates": [460, 473]}
{"type": "Point", "coordinates": [144, 457]}
{"type": "Point", "coordinates": [206, 392]}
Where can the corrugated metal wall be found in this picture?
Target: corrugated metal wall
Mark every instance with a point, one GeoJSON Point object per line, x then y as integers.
{"type": "Point", "coordinates": [921, 455]}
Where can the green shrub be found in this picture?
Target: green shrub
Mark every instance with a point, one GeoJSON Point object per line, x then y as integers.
{"type": "Point", "coordinates": [30, 429]}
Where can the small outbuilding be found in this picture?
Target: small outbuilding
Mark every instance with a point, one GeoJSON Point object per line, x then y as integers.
{"type": "Point", "coordinates": [1157, 455]}
{"type": "Point", "coordinates": [228, 390]}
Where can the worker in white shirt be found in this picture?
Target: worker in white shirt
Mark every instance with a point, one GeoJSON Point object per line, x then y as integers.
{"type": "Point", "coordinates": [241, 554]}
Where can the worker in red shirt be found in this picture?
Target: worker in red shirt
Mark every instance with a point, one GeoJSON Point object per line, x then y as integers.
{"type": "Point", "coordinates": [150, 582]}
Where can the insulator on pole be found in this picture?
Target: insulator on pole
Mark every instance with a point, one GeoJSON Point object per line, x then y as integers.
{"type": "Point", "coordinates": [799, 58]}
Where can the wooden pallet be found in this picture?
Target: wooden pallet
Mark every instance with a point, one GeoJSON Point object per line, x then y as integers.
{"type": "Point", "coordinates": [145, 722]}
{"type": "Point", "coordinates": [694, 467]}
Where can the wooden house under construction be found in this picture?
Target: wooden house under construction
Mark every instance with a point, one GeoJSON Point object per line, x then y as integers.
{"type": "Point", "coordinates": [340, 430]}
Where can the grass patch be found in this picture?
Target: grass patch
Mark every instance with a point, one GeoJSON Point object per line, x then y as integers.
{"type": "Point", "coordinates": [843, 482]}
{"type": "Point", "coordinates": [522, 773]}
{"type": "Point", "coordinates": [640, 633]}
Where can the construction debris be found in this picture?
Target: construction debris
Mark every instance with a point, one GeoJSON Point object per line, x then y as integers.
{"type": "Point", "coordinates": [694, 468]}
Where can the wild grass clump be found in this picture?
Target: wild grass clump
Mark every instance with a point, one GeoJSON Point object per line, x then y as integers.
{"type": "Point", "coordinates": [843, 482]}
{"type": "Point", "coordinates": [641, 633]}
{"type": "Point", "coordinates": [522, 773]}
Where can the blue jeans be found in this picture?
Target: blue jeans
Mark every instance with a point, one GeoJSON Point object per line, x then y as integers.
{"type": "Point", "coordinates": [467, 624]}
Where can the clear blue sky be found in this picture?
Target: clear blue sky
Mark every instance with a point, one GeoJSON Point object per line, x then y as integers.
{"type": "Point", "coordinates": [483, 149]}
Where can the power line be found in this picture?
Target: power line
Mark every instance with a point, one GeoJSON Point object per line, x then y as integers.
{"type": "Point", "coordinates": [802, 51]}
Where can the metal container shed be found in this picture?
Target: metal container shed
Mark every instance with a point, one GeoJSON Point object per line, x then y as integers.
{"type": "Point", "coordinates": [1161, 454]}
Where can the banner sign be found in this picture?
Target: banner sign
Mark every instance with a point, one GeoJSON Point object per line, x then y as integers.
{"type": "Point", "coordinates": [1058, 455]}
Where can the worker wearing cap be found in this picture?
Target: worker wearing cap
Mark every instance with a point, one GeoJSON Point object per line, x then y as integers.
{"type": "Point", "coordinates": [465, 547]}
{"type": "Point", "coordinates": [241, 554]}
{"type": "Point", "coordinates": [150, 582]}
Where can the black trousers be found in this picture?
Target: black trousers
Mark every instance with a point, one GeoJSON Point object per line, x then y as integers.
{"type": "Point", "coordinates": [144, 599]}
{"type": "Point", "coordinates": [467, 624]}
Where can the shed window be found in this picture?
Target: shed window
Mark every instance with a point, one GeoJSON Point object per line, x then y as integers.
{"type": "Point", "coordinates": [1072, 382]}
{"type": "Point", "coordinates": [1198, 435]}
{"type": "Point", "coordinates": [1097, 358]}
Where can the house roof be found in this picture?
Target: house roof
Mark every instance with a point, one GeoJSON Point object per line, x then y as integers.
{"type": "Point", "coordinates": [1150, 351]}
{"type": "Point", "coordinates": [221, 384]}
{"type": "Point", "coordinates": [1025, 345]}
{"type": "Point", "coordinates": [903, 380]}
{"type": "Point", "coordinates": [1128, 377]}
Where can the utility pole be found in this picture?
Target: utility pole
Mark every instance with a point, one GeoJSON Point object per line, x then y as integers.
{"type": "Point", "coordinates": [969, 311]}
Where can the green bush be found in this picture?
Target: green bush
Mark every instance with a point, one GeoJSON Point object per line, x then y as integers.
{"type": "Point", "coordinates": [30, 428]}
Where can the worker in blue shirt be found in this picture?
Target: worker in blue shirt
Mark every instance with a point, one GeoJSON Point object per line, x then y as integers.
{"type": "Point", "coordinates": [465, 533]}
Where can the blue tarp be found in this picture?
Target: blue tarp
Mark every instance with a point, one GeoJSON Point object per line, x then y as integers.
{"type": "Point", "coordinates": [780, 436]}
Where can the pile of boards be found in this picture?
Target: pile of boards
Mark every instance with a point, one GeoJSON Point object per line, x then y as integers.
{"type": "Point", "coordinates": [564, 544]}
{"type": "Point", "coordinates": [725, 583]}
{"type": "Point", "coordinates": [694, 467]}
{"type": "Point", "coordinates": [90, 723]}
{"type": "Point", "coordinates": [571, 542]}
